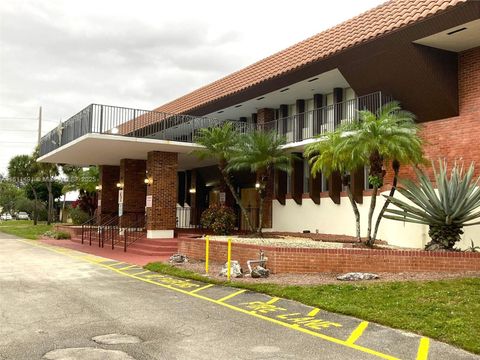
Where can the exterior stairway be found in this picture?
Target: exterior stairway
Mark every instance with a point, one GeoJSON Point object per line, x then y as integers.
{"type": "Point", "coordinates": [142, 246]}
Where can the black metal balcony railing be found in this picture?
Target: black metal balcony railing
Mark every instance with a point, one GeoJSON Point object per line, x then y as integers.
{"type": "Point", "coordinates": [113, 120]}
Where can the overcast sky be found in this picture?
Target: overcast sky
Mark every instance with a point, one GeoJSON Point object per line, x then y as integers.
{"type": "Point", "coordinates": [64, 55]}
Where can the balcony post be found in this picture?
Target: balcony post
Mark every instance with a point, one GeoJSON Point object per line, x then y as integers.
{"type": "Point", "coordinates": [101, 120]}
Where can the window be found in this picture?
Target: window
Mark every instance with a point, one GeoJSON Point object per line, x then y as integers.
{"type": "Point", "coordinates": [344, 188]}
{"type": "Point", "coordinates": [324, 183]}
{"type": "Point", "coordinates": [289, 185]}
{"type": "Point", "coordinates": [367, 184]}
{"type": "Point", "coordinates": [306, 176]}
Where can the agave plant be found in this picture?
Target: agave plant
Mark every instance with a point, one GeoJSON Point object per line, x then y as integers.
{"type": "Point", "coordinates": [446, 210]}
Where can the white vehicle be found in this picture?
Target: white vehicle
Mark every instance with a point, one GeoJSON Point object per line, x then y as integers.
{"type": "Point", "coordinates": [23, 216]}
{"type": "Point", "coordinates": [6, 217]}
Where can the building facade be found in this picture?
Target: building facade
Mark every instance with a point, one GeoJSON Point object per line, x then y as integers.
{"type": "Point", "coordinates": [425, 54]}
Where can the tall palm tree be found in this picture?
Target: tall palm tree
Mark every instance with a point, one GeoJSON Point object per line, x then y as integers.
{"type": "Point", "coordinates": [219, 143]}
{"type": "Point", "coordinates": [388, 135]}
{"type": "Point", "coordinates": [325, 159]}
{"type": "Point", "coordinates": [261, 153]}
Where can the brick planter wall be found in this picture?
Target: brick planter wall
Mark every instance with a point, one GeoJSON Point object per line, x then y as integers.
{"type": "Point", "coordinates": [295, 260]}
{"type": "Point", "coordinates": [73, 230]}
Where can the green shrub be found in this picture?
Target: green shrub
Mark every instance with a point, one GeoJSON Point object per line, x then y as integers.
{"type": "Point", "coordinates": [57, 235]}
{"type": "Point", "coordinates": [78, 216]}
{"type": "Point", "coordinates": [219, 219]}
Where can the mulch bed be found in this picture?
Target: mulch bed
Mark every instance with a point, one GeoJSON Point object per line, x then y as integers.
{"type": "Point", "coordinates": [325, 278]}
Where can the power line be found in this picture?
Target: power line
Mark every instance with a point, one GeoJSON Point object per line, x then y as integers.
{"type": "Point", "coordinates": [18, 142]}
{"type": "Point", "coordinates": [17, 118]}
{"type": "Point", "coordinates": [20, 130]}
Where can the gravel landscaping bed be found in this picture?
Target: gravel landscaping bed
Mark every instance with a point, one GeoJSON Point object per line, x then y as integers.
{"type": "Point", "coordinates": [293, 242]}
{"type": "Point", "coordinates": [287, 241]}
{"type": "Point", "coordinates": [326, 278]}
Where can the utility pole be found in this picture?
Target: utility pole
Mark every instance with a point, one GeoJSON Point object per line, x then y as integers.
{"type": "Point", "coordinates": [39, 125]}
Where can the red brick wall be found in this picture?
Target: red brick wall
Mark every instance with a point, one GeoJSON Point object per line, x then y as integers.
{"type": "Point", "coordinates": [162, 169]}
{"type": "Point", "coordinates": [294, 260]}
{"type": "Point", "coordinates": [74, 231]}
{"type": "Point", "coordinates": [264, 115]}
{"type": "Point", "coordinates": [132, 176]}
{"type": "Point", "coordinates": [457, 137]}
{"type": "Point", "coordinates": [108, 195]}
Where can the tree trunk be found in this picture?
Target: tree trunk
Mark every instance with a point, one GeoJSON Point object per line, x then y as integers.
{"type": "Point", "coordinates": [373, 202]}
{"type": "Point", "coordinates": [396, 169]}
{"type": "Point", "coordinates": [356, 212]}
{"type": "Point", "coordinates": [376, 175]}
{"type": "Point", "coordinates": [346, 183]}
{"type": "Point", "coordinates": [443, 237]}
{"type": "Point", "coordinates": [260, 215]}
{"type": "Point", "coordinates": [237, 199]}
{"type": "Point", "coordinates": [35, 212]}
{"type": "Point", "coordinates": [63, 208]}
{"type": "Point", "coordinates": [50, 202]}
{"type": "Point", "coordinates": [262, 179]}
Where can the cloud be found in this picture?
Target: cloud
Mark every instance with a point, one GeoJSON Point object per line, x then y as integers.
{"type": "Point", "coordinates": [64, 55]}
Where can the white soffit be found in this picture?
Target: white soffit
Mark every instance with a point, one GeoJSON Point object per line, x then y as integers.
{"type": "Point", "coordinates": [458, 38]}
{"type": "Point", "coordinates": [102, 149]}
{"type": "Point", "coordinates": [319, 84]}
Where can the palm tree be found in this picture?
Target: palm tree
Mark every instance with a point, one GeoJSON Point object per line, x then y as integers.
{"type": "Point", "coordinates": [219, 143]}
{"type": "Point", "coordinates": [261, 153]}
{"type": "Point", "coordinates": [389, 135]}
{"type": "Point", "coordinates": [325, 159]}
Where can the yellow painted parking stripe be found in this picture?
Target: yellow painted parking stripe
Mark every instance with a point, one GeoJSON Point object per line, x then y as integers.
{"type": "Point", "coordinates": [314, 312]}
{"type": "Point", "coordinates": [232, 307]}
{"type": "Point", "coordinates": [273, 300]}
{"type": "Point", "coordinates": [423, 347]}
{"type": "Point", "coordinates": [128, 267]}
{"type": "Point", "coordinates": [201, 288]}
{"type": "Point", "coordinates": [231, 295]}
{"type": "Point", "coordinates": [116, 263]}
{"type": "Point", "coordinates": [141, 272]}
{"type": "Point", "coordinates": [357, 332]}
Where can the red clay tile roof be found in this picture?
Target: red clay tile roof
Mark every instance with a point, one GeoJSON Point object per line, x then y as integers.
{"type": "Point", "coordinates": [373, 23]}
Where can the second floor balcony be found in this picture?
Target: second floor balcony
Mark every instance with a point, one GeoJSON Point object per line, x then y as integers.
{"type": "Point", "coordinates": [120, 121]}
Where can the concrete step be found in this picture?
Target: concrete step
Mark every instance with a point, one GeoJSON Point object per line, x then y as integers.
{"type": "Point", "coordinates": [154, 247]}
{"type": "Point", "coordinates": [143, 240]}
{"type": "Point", "coordinates": [165, 253]}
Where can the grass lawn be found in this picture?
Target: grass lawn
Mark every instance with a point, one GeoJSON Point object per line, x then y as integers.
{"type": "Point", "coordinates": [24, 228]}
{"type": "Point", "coordinates": [447, 310]}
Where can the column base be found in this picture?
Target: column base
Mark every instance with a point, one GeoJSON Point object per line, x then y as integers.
{"type": "Point", "coordinates": [160, 234]}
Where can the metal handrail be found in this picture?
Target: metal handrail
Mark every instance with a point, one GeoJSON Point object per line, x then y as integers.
{"type": "Point", "coordinates": [85, 224]}
{"type": "Point", "coordinates": [132, 234]}
{"type": "Point", "coordinates": [122, 121]}
{"type": "Point", "coordinates": [109, 228]}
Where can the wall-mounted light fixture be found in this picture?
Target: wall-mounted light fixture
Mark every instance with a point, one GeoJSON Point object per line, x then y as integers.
{"type": "Point", "coordinates": [192, 191]}
{"type": "Point", "coordinates": [148, 181]}
{"type": "Point", "coordinates": [120, 185]}
{"type": "Point", "coordinates": [257, 185]}
{"type": "Point", "coordinates": [98, 187]}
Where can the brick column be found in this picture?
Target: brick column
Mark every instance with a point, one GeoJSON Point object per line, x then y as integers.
{"type": "Point", "coordinates": [132, 177]}
{"type": "Point", "coordinates": [108, 192]}
{"type": "Point", "coordinates": [264, 115]}
{"type": "Point", "coordinates": [161, 217]}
